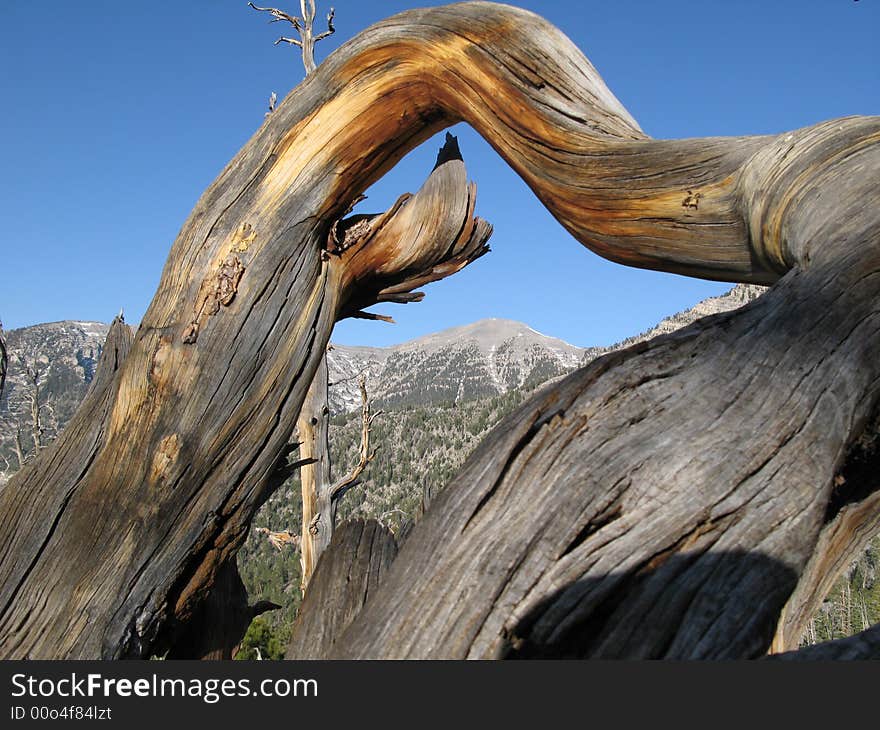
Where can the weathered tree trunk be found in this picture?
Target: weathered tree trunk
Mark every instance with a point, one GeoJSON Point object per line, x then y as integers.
{"type": "Point", "coordinates": [663, 501]}
{"type": "Point", "coordinates": [320, 495]}
{"type": "Point", "coordinates": [846, 532]}
{"type": "Point", "coordinates": [359, 556]}
{"type": "Point", "coordinates": [113, 557]}
{"type": "Point", "coordinates": [313, 428]}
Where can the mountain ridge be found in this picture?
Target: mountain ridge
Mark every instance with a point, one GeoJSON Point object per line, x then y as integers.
{"type": "Point", "coordinates": [486, 358]}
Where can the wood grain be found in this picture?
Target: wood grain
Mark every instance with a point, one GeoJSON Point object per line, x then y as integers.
{"type": "Point", "coordinates": [357, 560]}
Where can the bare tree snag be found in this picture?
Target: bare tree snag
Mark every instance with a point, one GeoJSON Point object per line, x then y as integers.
{"type": "Point", "coordinates": [34, 375]}
{"type": "Point", "coordinates": [313, 428]}
{"type": "Point", "coordinates": [663, 501]}
{"type": "Point", "coordinates": [314, 417]}
{"type": "Point", "coordinates": [354, 567]}
{"type": "Point", "coordinates": [365, 456]}
{"type": "Point", "coordinates": [304, 26]}
{"type": "Point", "coordinates": [323, 495]}
{"type": "Point", "coordinates": [13, 431]}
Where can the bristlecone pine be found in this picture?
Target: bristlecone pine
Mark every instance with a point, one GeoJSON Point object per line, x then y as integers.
{"type": "Point", "coordinates": [685, 497]}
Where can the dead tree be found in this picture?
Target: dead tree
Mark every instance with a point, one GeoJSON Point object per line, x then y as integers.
{"type": "Point", "coordinates": [313, 432]}
{"type": "Point", "coordinates": [314, 418]}
{"type": "Point", "coordinates": [666, 500]}
{"type": "Point", "coordinates": [320, 494]}
{"type": "Point", "coordinates": [304, 26]}
{"type": "Point", "coordinates": [13, 432]}
{"type": "Point", "coordinates": [36, 414]}
{"type": "Point", "coordinates": [36, 403]}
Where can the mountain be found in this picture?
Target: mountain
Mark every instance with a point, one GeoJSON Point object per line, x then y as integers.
{"type": "Point", "coordinates": [50, 368]}
{"type": "Point", "coordinates": [486, 358]}
{"type": "Point", "coordinates": [737, 297]}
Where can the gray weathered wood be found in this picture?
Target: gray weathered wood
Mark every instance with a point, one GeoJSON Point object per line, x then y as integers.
{"type": "Point", "coordinates": [313, 427]}
{"type": "Point", "coordinates": [355, 565]}
{"type": "Point", "coordinates": [661, 502]}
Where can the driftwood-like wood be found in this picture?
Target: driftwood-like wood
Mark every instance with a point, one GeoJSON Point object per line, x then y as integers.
{"type": "Point", "coordinates": [663, 501]}
{"type": "Point", "coordinates": [84, 437]}
{"type": "Point", "coordinates": [356, 563]}
{"type": "Point", "coordinates": [166, 499]}
{"type": "Point", "coordinates": [853, 519]}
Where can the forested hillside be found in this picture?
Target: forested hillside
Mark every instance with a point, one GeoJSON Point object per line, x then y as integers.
{"type": "Point", "coordinates": [419, 448]}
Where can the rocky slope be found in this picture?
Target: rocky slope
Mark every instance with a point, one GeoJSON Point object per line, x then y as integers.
{"type": "Point", "coordinates": [485, 359]}
{"type": "Point", "coordinates": [50, 368]}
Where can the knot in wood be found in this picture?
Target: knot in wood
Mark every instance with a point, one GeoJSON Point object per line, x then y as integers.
{"type": "Point", "coordinates": [228, 276]}
{"type": "Point", "coordinates": [692, 200]}
{"type": "Point", "coordinates": [313, 525]}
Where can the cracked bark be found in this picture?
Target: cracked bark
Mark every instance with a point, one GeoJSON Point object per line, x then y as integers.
{"type": "Point", "coordinates": [200, 420]}
{"type": "Point", "coordinates": [357, 560]}
{"type": "Point", "coordinates": [663, 501]}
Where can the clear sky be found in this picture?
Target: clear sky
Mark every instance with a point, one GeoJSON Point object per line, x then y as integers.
{"type": "Point", "coordinates": [116, 116]}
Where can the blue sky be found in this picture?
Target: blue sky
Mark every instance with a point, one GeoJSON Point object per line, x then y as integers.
{"type": "Point", "coordinates": [116, 116]}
